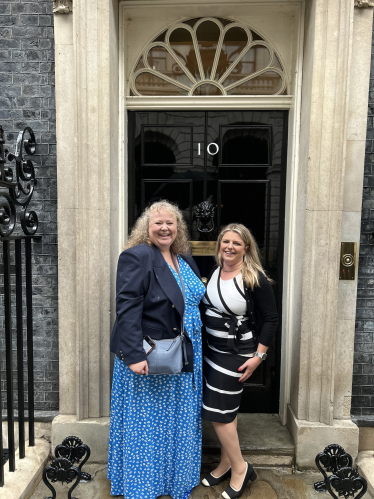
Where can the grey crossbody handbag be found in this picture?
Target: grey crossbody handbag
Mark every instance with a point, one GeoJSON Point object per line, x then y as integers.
{"type": "Point", "coordinates": [167, 356]}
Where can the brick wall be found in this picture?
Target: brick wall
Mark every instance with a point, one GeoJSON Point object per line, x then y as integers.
{"type": "Point", "coordinates": [27, 99]}
{"type": "Point", "coordinates": [363, 378]}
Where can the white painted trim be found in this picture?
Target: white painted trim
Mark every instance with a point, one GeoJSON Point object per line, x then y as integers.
{"type": "Point", "coordinates": [290, 228]}
{"type": "Point", "coordinates": [206, 102]}
{"type": "Point", "coordinates": [122, 128]}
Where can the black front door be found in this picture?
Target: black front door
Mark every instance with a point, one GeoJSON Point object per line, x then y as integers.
{"type": "Point", "coordinates": [234, 160]}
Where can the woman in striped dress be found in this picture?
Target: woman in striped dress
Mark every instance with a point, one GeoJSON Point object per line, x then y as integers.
{"type": "Point", "coordinates": [237, 291]}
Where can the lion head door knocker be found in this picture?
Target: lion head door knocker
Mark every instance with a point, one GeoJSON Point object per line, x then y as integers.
{"type": "Point", "coordinates": [205, 217]}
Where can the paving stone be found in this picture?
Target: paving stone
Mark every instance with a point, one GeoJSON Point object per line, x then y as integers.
{"type": "Point", "coordinates": [272, 483]}
{"type": "Point", "coordinates": [258, 490]}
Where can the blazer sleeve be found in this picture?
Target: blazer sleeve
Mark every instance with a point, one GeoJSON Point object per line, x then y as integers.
{"type": "Point", "coordinates": [130, 289]}
{"type": "Point", "coordinates": [264, 301]}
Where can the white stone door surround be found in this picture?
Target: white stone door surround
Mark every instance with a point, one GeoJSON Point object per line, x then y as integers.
{"type": "Point", "coordinates": [328, 54]}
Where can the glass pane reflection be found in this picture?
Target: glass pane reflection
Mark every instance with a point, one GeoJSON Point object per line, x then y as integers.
{"type": "Point", "coordinates": [160, 60]}
{"type": "Point", "coordinates": [268, 83]}
{"type": "Point", "coordinates": [234, 42]}
{"type": "Point", "coordinates": [189, 52]}
{"type": "Point", "coordinates": [207, 89]}
{"type": "Point", "coordinates": [207, 34]}
{"type": "Point", "coordinates": [255, 59]}
{"type": "Point", "coordinates": [182, 44]}
{"type": "Point", "coordinates": [149, 84]}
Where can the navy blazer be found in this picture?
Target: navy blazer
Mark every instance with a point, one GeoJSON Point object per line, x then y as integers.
{"type": "Point", "coordinates": [149, 302]}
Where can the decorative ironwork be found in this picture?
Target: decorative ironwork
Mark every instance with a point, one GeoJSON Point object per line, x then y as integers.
{"type": "Point", "coordinates": [344, 479]}
{"type": "Point", "coordinates": [61, 470]}
{"type": "Point", "coordinates": [346, 483]}
{"type": "Point", "coordinates": [331, 460]}
{"type": "Point", "coordinates": [205, 217]}
{"type": "Point", "coordinates": [73, 449]}
{"type": "Point", "coordinates": [20, 183]}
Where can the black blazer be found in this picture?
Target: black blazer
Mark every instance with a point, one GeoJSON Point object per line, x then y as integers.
{"type": "Point", "coordinates": [148, 302]}
{"type": "Point", "coordinates": [261, 309]}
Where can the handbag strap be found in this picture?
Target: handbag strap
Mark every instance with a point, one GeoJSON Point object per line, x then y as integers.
{"type": "Point", "coordinates": [184, 351]}
{"type": "Point", "coordinates": [183, 290]}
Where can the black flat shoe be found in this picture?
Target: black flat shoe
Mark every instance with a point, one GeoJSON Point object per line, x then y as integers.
{"type": "Point", "coordinates": [231, 493]}
{"type": "Point", "coordinates": [211, 481]}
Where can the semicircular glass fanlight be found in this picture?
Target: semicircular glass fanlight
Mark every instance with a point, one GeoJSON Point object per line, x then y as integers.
{"type": "Point", "coordinates": [208, 56]}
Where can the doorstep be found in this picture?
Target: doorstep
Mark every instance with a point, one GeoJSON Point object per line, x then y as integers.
{"type": "Point", "coordinates": [264, 441]}
{"type": "Point", "coordinates": [21, 483]}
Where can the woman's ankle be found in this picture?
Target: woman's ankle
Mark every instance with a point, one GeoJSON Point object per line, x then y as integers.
{"type": "Point", "coordinates": [239, 467]}
{"type": "Point", "coordinates": [222, 467]}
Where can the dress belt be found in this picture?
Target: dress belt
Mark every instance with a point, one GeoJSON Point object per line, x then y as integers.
{"type": "Point", "coordinates": [235, 325]}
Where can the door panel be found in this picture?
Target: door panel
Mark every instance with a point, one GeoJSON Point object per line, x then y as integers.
{"type": "Point", "coordinates": [236, 160]}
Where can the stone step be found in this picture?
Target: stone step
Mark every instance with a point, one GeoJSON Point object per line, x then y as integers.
{"type": "Point", "coordinates": [264, 441]}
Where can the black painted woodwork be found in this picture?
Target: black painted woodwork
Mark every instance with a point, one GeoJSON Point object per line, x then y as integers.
{"type": "Point", "coordinates": [245, 180]}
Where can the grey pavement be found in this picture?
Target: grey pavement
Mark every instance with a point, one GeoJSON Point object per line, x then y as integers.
{"type": "Point", "coordinates": [274, 483]}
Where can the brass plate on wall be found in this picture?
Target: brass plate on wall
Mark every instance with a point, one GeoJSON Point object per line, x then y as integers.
{"type": "Point", "coordinates": [203, 248]}
{"type": "Point", "coordinates": [347, 261]}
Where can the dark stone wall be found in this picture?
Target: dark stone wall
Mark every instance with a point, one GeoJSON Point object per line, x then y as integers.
{"type": "Point", "coordinates": [27, 99]}
{"type": "Point", "coordinates": [363, 378]}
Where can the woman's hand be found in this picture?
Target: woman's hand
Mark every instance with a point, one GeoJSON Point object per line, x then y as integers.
{"type": "Point", "coordinates": [250, 366]}
{"type": "Point", "coordinates": [139, 367]}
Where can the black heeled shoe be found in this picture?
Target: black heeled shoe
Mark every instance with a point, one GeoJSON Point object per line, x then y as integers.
{"type": "Point", "coordinates": [211, 481]}
{"type": "Point", "coordinates": [231, 493]}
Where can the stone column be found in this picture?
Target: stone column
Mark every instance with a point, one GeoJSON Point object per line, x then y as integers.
{"type": "Point", "coordinates": [86, 137]}
{"type": "Point", "coordinates": [66, 213]}
{"type": "Point", "coordinates": [318, 410]}
{"type": "Point", "coordinates": [91, 29]}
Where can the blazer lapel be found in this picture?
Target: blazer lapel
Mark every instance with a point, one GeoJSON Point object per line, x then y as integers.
{"type": "Point", "coordinates": [167, 281]}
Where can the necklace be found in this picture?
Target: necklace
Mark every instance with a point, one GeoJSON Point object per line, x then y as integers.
{"type": "Point", "coordinates": [228, 271]}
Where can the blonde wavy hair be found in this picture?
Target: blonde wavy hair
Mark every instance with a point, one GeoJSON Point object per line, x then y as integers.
{"type": "Point", "coordinates": [140, 231]}
{"type": "Point", "coordinates": [252, 266]}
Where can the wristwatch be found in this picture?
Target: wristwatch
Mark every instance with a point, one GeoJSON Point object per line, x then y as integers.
{"type": "Point", "coordinates": [261, 355]}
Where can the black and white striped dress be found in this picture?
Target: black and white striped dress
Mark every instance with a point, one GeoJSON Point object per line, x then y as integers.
{"type": "Point", "coordinates": [230, 341]}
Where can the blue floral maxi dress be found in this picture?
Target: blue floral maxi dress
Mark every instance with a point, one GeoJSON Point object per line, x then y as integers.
{"type": "Point", "coordinates": [155, 423]}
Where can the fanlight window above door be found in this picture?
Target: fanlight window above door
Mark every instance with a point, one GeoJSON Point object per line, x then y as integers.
{"type": "Point", "coordinates": [208, 56]}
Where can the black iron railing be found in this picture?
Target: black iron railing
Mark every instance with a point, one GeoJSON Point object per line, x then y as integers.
{"type": "Point", "coordinates": [17, 183]}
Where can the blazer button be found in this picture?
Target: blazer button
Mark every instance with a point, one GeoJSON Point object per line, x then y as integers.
{"type": "Point", "coordinates": [174, 328]}
{"type": "Point", "coordinates": [173, 306]}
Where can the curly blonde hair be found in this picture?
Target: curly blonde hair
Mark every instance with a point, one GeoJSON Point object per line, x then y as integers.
{"type": "Point", "coordinates": [252, 266]}
{"type": "Point", "coordinates": [140, 232]}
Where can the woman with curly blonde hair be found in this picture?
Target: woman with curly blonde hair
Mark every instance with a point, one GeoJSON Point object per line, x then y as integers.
{"type": "Point", "coordinates": [155, 424]}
